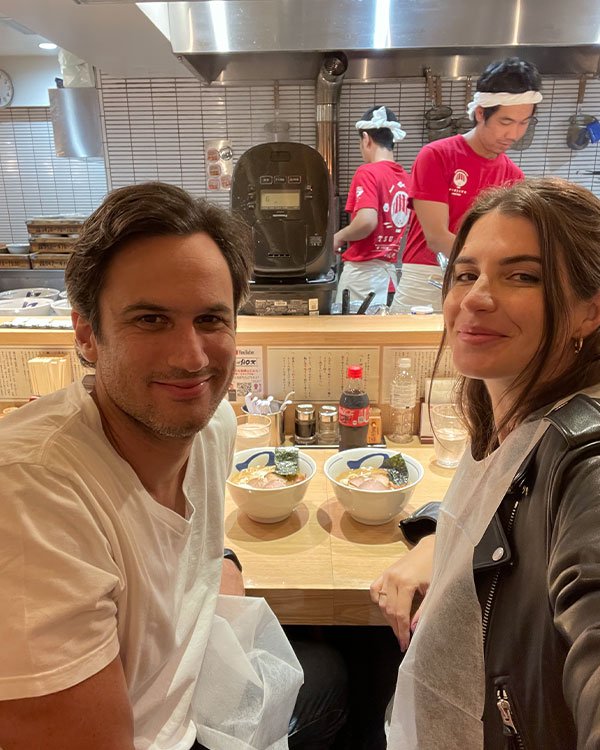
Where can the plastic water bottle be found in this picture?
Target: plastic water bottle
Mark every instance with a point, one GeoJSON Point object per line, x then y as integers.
{"type": "Point", "coordinates": [403, 399]}
{"type": "Point", "coordinates": [353, 411]}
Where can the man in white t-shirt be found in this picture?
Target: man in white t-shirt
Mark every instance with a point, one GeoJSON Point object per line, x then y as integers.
{"type": "Point", "coordinates": [111, 515]}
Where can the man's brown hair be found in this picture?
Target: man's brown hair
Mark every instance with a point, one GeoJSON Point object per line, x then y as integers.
{"type": "Point", "coordinates": [148, 210]}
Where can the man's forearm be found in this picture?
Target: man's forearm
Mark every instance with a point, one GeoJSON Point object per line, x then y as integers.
{"type": "Point", "coordinates": [440, 242]}
{"type": "Point", "coordinates": [358, 229]}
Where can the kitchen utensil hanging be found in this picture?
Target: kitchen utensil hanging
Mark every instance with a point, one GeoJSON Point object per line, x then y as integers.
{"type": "Point", "coordinates": [277, 128]}
{"type": "Point", "coordinates": [438, 118]}
{"type": "Point", "coordinates": [527, 139]}
{"type": "Point", "coordinates": [464, 123]}
{"type": "Point", "coordinates": [583, 129]}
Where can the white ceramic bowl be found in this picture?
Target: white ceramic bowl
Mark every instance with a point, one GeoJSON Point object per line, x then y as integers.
{"type": "Point", "coordinates": [372, 507]}
{"type": "Point", "coordinates": [38, 291]}
{"type": "Point", "coordinates": [62, 295]}
{"type": "Point", "coordinates": [27, 306]}
{"type": "Point", "coordinates": [61, 307]}
{"type": "Point", "coordinates": [268, 505]}
{"type": "Point", "coordinates": [19, 249]}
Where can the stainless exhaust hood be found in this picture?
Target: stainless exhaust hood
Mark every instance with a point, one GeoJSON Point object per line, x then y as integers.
{"type": "Point", "coordinates": [235, 41]}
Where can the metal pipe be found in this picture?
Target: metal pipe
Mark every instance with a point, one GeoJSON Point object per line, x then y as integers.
{"type": "Point", "coordinates": [329, 82]}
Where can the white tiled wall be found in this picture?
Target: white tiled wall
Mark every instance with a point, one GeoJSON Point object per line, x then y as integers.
{"type": "Point", "coordinates": [156, 129]}
{"type": "Point", "coordinates": [33, 180]}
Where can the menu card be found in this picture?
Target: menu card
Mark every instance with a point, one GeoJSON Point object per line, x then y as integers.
{"type": "Point", "coordinates": [319, 373]}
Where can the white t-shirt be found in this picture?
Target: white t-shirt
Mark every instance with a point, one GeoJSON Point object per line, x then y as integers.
{"type": "Point", "coordinates": [91, 566]}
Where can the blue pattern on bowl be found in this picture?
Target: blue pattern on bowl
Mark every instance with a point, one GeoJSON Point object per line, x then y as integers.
{"type": "Point", "coordinates": [356, 464]}
{"type": "Point", "coordinates": [245, 464]}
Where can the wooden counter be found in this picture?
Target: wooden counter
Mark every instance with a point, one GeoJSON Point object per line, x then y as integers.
{"type": "Point", "coordinates": [333, 330]}
{"type": "Point", "coordinates": [276, 355]}
{"type": "Point", "coordinates": [326, 330]}
{"type": "Point", "coordinates": [316, 566]}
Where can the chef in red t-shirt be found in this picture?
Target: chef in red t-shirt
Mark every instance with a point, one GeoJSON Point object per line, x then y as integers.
{"type": "Point", "coordinates": [448, 174]}
{"type": "Point", "coordinates": [378, 204]}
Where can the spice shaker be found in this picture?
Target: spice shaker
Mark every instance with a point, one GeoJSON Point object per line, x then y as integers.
{"type": "Point", "coordinates": [305, 425]}
{"type": "Point", "coordinates": [327, 430]}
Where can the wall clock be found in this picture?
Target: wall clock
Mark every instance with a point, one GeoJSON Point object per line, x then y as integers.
{"type": "Point", "coordinates": [7, 90]}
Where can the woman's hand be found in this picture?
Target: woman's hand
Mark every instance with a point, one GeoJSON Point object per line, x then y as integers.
{"type": "Point", "coordinates": [395, 589]}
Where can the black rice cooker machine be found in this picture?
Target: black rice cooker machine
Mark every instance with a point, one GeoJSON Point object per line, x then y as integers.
{"type": "Point", "coordinates": [284, 192]}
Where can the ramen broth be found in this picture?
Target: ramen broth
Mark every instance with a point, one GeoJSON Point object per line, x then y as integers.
{"type": "Point", "coordinates": [264, 478]}
{"type": "Point", "coordinates": [368, 478]}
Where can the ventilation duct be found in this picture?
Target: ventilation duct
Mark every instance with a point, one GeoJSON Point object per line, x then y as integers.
{"type": "Point", "coordinates": [329, 83]}
{"type": "Point", "coordinates": [75, 115]}
{"type": "Point", "coordinates": [75, 110]}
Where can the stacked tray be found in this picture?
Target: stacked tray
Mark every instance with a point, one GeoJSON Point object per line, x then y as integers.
{"type": "Point", "coordinates": [55, 226]}
{"type": "Point", "coordinates": [10, 259]}
{"type": "Point", "coordinates": [13, 261]}
{"type": "Point", "coordinates": [46, 243]}
{"type": "Point", "coordinates": [52, 239]}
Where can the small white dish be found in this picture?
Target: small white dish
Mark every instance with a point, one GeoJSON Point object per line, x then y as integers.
{"type": "Point", "coordinates": [61, 307]}
{"type": "Point", "coordinates": [25, 306]}
{"type": "Point", "coordinates": [37, 291]}
{"type": "Point", "coordinates": [19, 249]}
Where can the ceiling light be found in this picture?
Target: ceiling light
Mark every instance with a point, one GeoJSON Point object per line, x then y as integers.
{"type": "Point", "coordinates": [47, 45]}
{"type": "Point", "coordinates": [381, 35]}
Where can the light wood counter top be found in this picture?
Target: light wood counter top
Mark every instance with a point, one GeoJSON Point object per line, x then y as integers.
{"type": "Point", "coordinates": [331, 330]}
{"type": "Point", "coordinates": [326, 330]}
{"type": "Point", "coordinates": [316, 566]}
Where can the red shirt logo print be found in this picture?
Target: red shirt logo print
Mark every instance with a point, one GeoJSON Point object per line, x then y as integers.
{"type": "Point", "coordinates": [399, 211]}
{"type": "Point", "coordinates": [460, 178]}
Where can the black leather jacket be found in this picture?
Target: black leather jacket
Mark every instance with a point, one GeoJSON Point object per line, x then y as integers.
{"type": "Point", "coordinates": [541, 609]}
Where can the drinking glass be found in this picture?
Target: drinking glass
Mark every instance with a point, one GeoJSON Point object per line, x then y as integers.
{"type": "Point", "coordinates": [449, 435]}
{"type": "Point", "coordinates": [253, 431]}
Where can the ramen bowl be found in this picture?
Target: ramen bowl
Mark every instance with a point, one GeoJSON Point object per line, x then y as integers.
{"type": "Point", "coordinates": [267, 505]}
{"type": "Point", "coordinates": [370, 506]}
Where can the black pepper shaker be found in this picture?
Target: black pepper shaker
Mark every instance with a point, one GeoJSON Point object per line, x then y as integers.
{"type": "Point", "coordinates": [305, 425]}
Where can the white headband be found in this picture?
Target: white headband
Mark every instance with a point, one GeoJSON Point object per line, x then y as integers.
{"type": "Point", "coordinates": [379, 120]}
{"type": "Point", "coordinates": [493, 99]}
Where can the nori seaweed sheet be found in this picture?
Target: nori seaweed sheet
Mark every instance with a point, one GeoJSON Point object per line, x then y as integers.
{"type": "Point", "coordinates": [286, 461]}
{"type": "Point", "coordinates": [397, 469]}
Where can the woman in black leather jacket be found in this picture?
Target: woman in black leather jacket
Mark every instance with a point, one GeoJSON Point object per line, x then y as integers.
{"type": "Point", "coordinates": [522, 312]}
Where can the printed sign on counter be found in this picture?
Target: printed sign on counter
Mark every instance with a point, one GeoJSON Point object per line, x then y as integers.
{"type": "Point", "coordinates": [248, 376]}
{"type": "Point", "coordinates": [319, 374]}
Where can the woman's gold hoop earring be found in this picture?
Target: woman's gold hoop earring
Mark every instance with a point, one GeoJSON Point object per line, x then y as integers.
{"type": "Point", "coordinates": [578, 344]}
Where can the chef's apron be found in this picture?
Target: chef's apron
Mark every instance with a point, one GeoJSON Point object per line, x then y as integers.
{"type": "Point", "coordinates": [366, 276]}
{"type": "Point", "coordinates": [414, 289]}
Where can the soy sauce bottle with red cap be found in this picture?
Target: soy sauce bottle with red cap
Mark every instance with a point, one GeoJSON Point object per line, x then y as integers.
{"type": "Point", "coordinates": [353, 411]}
